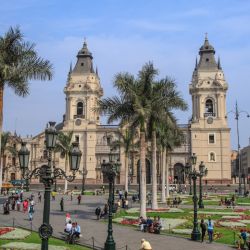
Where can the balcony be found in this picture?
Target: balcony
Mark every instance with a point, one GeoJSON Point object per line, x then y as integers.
{"type": "Point", "coordinates": [209, 114]}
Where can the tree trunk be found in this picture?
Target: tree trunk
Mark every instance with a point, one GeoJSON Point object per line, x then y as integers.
{"type": "Point", "coordinates": [143, 175]}
{"type": "Point", "coordinates": [163, 176]}
{"type": "Point", "coordinates": [154, 172]}
{"type": "Point", "coordinates": [66, 169]}
{"type": "Point", "coordinates": [1, 128]}
{"type": "Point", "coordinates": [126, 172]}
{"type": "Point", "coordinates": [167, 176]}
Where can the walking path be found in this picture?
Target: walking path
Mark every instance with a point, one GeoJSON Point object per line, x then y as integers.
{"type": "Point", "coordinates": [85, 216]}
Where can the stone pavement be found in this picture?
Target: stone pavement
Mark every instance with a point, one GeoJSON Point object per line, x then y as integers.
{"type": "Point", "coordinates": [85, 216]}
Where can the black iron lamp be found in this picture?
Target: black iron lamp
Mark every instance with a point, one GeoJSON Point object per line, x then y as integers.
{"type": "Point", "coordinates": [51, 136]}
{"type": "Point", "coordinates": [24, 155]}
{"type": "Point", "coordinates": [193, 159]}
{"type": "Point", "coordinates": [75, 157]}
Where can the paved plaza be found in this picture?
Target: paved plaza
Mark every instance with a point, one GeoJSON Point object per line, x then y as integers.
{"type": "Point", "coordinates": [84, 214]}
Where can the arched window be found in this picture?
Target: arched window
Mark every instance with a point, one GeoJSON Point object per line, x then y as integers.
{"type": "Point", "coordinates": [79, 110]}
{"type": "Point", "coordinates": [211, 156]}
{"type": "Point", "coordinates": [209, 106]}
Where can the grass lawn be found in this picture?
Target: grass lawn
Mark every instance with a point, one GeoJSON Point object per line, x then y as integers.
{"type": "Point", "coordinates": [34, 238]}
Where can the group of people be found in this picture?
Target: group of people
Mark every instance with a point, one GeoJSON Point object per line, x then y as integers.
{"type": "Point", "coordinates": [16, 201]}
{"type": "Point", "coordinates": [72, 229]}
{"type": "Point", "coordinates": [149, 225]}
{"type": "Point", "coordinates": [227, 202]}
{"type": "Point", "coordinates": [207, 227]}
{"type": "Point", "coordinates": [175, 202]}
{"type": "Point", "coordinates": [101, 213]}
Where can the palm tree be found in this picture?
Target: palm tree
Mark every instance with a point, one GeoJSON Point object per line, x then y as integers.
{"type": "Point", "coordinates": [63, 146]}
{"type": "Point", "coordinates": [132, 108]}
{"type": "Point", "coordinates": [19, 63]}
{"type": "Point", "coordinates": [169, 138]}
{"type": "Point", "coordinates": [126, 141]}
{"type": "Point", "coordinates": [164, 98]}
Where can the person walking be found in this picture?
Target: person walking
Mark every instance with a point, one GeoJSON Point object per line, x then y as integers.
{"type": "Point", "coordinates": [79, 197]}
{"type": "Point", "coordinates": [39, 197]}
{"type": "Point", "coordinates": [25, 205]}
{"type": "Point", "coordinates": [210, 229]}
{"type": "Point", "coordinates": [62, 204]}
{"type": "Point", "coordinates": [203, 229]}
{"type": "Point", "coordinates": [31, 212]}
{"type": "Point", "coordinates": [145, 245]}
{"type": "Point", "coordinates": [98, 213]}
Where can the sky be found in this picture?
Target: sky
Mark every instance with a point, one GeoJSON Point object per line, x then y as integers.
{"type": "Point", "coordinates": [123, 35]}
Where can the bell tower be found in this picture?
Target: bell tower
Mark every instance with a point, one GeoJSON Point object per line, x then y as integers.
{"type": "Point", "coordinates": [82, 90]}
{"type": "Point", "coordinates": [209, 128]}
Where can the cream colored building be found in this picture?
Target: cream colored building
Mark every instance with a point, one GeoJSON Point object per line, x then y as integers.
{"type": "Point", "coordinates": [207, 134]}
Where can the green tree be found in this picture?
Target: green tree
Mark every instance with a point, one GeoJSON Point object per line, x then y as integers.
{"type": "Point", "coordinates": [164, 99]}
{"type": "Point", "coordinates": [132, 109]}
{"type": "Point", "coordinates": [19, 63]}
{"type": "Point", "coordinates": [64, 146]}
{"type": "Point", "coordinates": [168, 138]}
{"type": "Point", "coordinates": [126, 142]}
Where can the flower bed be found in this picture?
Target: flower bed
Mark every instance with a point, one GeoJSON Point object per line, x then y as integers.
{"type": "Point", "coordinates": [218, 213]}
{"type": "Point", "coordinates": [29, 246]}
{"type": "Point", "coordinates": [231, 217]}
{"type": "Point", "coordinates": [15, 234]}
{"type": "Point", "coordinates": [157, 210]}
{"type": "Point", "coordinates": [231, 224]}
{"type": "Point", "coordinates": [4, 230]}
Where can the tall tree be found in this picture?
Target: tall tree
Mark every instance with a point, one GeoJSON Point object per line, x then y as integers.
{"type": "Point", "coordinates": [64, 146]}
{"type": "Point", "coordinates": [126, 141]}
{"type": "Point", "coordinates": [19, 63]}
{"type": "Point", "coordinates": [131, 108]}
{"type": "Point", "coordinates": [164, 99]}
{"type": "Point", "coordinates": [169, 138]}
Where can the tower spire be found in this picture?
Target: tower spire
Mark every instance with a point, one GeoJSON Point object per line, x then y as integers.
{"type": "Point", "coordinates": [219, 65]}
{"type": "Point", "coordinates": [196, 64]}
{"type": "Point", "coordinates": [96, 71]}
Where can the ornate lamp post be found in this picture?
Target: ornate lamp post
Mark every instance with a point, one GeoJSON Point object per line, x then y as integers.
{"type": "Point", "coordinates": [84, 173]}
{"type": "Point", "coordinates": [237, 116]}
{"type": "Point", "coordinates": [48, 175]}
{"type": "Point", "coordinates": [195, 235]}
{"type": "Point", "coordinates": [203, 172]}
{"type": "Point", "coordinates": [110, 169]}
{"type": "Point", "coordinates": [187, 175]}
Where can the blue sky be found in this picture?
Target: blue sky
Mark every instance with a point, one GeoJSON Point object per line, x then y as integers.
{"type": "Point", "coordinates": [123, 35]}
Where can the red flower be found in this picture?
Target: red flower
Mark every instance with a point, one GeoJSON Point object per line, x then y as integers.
{"type": "Point", "coordinates": [4, 230]}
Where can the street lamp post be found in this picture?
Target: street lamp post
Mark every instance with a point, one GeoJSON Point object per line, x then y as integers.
{"type": "Point", "coordinates": [48, 175]}
{"type": "Point", "coordinates": [84, 173]}
{"type": "Point", "coordinates": [237, 115]}
{"type": "Point", "coordinates": [110, 169]}
{"type": "Point", "coordinates": [187, 175]}
{"type": "Point", "coordinates": [195, 235]}
{"type": "Point", "coordinates": [203, 172]}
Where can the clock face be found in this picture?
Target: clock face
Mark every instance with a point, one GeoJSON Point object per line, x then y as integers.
{"type": "Point", "coordinates": [78, 122]}
{"type": "Point", "coordinates": [210, 120]}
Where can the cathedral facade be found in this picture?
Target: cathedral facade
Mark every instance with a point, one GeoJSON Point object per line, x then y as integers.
{"type": "Point", "coordinates": [206, 134]}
